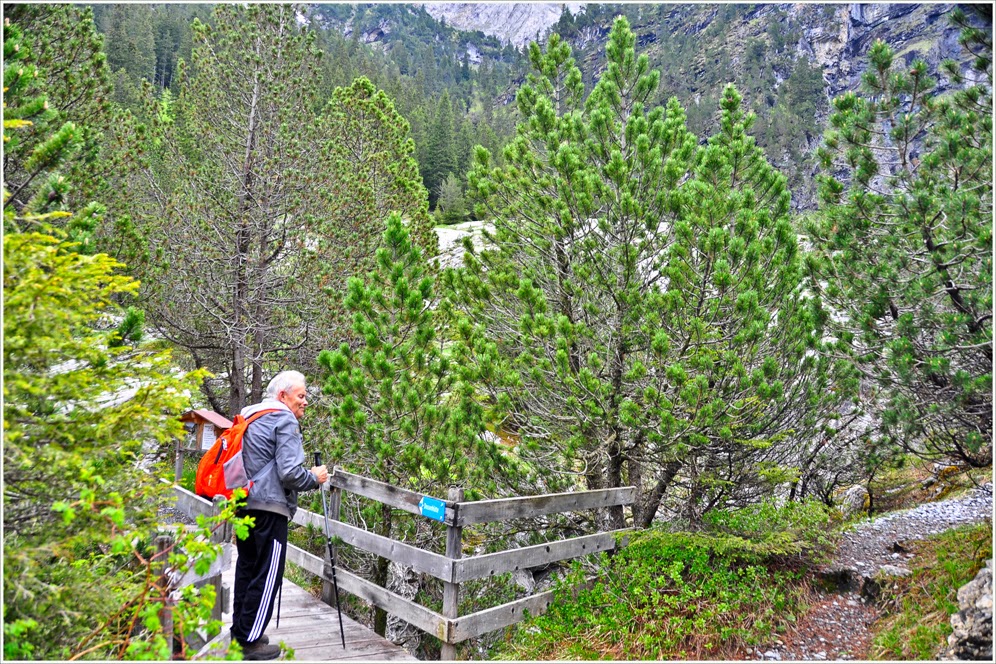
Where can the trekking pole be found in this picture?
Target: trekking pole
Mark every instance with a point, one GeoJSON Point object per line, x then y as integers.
{"type": "Point", "coordinates": [328, 541]}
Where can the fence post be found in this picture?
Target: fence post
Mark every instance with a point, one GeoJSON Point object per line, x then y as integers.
{"type": "Point", "coordinates": [223, 536]}
{"type": "Point", "coordinates": [335, 504]}
{"type": "Point", "coordinates": [163, 545]}
{"type": "Point", "coordinates": [451, 591]}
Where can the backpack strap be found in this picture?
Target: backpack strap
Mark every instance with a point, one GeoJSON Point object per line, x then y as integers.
{"type": "Point", "coordinates": [255, 416]}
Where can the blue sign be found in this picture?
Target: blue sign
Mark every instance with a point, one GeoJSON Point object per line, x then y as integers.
{"type": "Point", "coordinates": [432, 508]}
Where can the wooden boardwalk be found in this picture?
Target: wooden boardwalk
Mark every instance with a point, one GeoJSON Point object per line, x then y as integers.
{"type": "Point", "coordinates": [311, 628]}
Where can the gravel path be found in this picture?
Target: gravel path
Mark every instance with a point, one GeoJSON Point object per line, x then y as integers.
{"type": "Point", "coordinates": [836, 626]}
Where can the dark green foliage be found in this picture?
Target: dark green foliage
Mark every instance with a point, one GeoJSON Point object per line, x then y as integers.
{"type": "Point", "coordinates": [66, 50]}
{"type": "Point", "coordinates": [131, 41]}
{"type": "Point", "coordinates": [667, 596]}
{"type": "Point", "coordinates": [441, 151]}
{"type": "Point", "coordinates": [906, 240]}
{"type": "Point", "coordinates": [700, 48]}
{"type": "Point", "coordinates": [793, 529]}
{"type": "Point", "coordinates": [451, 206]}
{"type": "Point", "coordinates": [366, 170]}
{"type": "Point", "coordinates": [75, 117]}
{"type": "Point", "coordinates": [130, 328]}
{"type": "Point", "coordinates": [401, 412]}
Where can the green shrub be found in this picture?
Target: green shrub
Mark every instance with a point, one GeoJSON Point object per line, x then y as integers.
{"type": "Point", "coordinates": [800, 530]}
{"type": "Point", "coordinates": [666, 596]}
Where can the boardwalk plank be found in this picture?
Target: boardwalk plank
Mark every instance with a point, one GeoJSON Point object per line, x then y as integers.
{"type": "Point", "coordinates": [311, 628]}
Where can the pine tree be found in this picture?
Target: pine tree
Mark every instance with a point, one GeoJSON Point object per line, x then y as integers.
{"type": "Point", "coordinates": [228, 190]}
{"type": "Point", "coordinates": [451, 205]}
{"type": "Point", "coordinates": [906, 250]}
{"type": "Point", "coordinates": [400, 411]}
{"type": "Point", "coordinates": [368, 170]}
{"type": "Point", "coordinates": [131, 44]}
{"type": "Point", "coordinates": [64, 47]}
{"type": "Point", "coordinates": [640, 313]}
{"type": "Point", "coordinates": [441, 157]}
{"type": "Point", "coordinates": [81, 405]}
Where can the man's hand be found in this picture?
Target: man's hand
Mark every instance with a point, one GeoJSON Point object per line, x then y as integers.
{"type": "Point", "coordinates": [321, 472]}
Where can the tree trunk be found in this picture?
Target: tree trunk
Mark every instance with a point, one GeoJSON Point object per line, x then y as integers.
{"type": "Point", "coordinates": [650, 502]}
{"type": "Point", "coordinates": [240, 305]}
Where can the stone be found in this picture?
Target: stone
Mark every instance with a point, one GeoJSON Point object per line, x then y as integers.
{"type": "Point", "coordinates": [854, 501]}
{"type": "Point", "coordinates": [893, 571]}
{"type": "Point", "coordinates": [524, 579]}
{"type": "Point", "coordinates": [773, 655]}
{"type": "Point", "coordinates": [972, 635]}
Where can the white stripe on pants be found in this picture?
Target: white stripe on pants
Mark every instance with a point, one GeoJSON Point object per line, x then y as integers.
{"type": "Point", "coordinates": [267, 600]}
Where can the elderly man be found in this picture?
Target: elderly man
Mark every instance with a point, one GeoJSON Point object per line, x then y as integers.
{"type": "Point", "coordinates": [273, 453]}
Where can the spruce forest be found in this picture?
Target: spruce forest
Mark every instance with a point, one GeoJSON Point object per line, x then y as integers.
{"type": "Point", "coordinates": [658, 246]}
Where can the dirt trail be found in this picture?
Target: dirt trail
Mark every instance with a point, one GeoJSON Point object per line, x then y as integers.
{"type": "Point", "coordinates": [836, 626]}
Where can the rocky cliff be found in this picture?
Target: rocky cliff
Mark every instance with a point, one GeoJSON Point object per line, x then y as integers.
{"type": "Point", "coordinates": [517, 23]}
{"type": "Point", "coordinates": [788, 60]}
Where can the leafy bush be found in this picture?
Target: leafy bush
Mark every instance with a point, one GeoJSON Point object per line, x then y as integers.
{"type": "Point", "coordinates": [667, 596]}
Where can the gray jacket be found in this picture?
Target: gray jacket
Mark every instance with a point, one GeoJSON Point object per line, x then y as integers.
{"type": "Point", "coordinates": [273, 454]}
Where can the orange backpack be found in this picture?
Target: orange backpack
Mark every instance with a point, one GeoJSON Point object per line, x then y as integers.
{"type": "Point", "coordinates": [221, 469]}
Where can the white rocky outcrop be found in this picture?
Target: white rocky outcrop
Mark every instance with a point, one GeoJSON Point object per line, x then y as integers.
{"type": "Point", "coordinates": [517, 23]}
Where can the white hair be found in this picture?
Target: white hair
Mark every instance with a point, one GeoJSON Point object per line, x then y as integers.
{"type": "Point", "coordinates": [283, 382]}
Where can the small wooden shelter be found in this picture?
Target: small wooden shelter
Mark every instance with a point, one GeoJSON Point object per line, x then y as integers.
{"type": "Point", "coordinates": [203, 427]}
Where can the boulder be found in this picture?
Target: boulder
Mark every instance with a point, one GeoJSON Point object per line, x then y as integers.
{"type": "Point", "coordinates": [972, 638]}
{"type": "Point", "coordinates": [855, 500]}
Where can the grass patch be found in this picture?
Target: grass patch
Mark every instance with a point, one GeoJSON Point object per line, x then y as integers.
{"type": "Point", "coordinates": [918, 608]}
{"type": "Point", "coordinates": [708, 595]}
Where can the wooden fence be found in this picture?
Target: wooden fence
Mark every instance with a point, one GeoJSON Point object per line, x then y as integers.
{"type": "Point", "coordinates": [193, 505]}
{"type": "Point", "coordinates": [451, 568]}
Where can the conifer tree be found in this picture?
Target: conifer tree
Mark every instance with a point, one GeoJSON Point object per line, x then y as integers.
{"type": "Point", "coordinates": [640, 312]}
{"type": "Point", "coordinates": [228, 189]}
{"type": "Point", "coordinates": [369, 157]}
{"type": "Point", "coordinates": [131, 43]}
{"type": "Point", "coordinates": [400, 411]}
{"type": "Point", "coordinates": [441, 158]}
{"type": "Point", "coordinates": [62, 56]}
{"type": "Point", "coordinates": [906, 249]}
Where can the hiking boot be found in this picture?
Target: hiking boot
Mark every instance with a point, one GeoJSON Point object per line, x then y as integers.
{"type": "Point", "coordinates": [259, 651]}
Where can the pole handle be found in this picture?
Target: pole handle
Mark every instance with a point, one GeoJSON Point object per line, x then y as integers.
{"type": "Point", "coordinates": [318, 458]}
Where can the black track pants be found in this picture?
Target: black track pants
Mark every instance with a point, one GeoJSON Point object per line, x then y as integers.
{"type": "Point", "coordinates": [259, 571]}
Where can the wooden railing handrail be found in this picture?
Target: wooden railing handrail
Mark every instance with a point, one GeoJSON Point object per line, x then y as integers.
{"type": "Point", "coordinates": [402, 499]}
{"type": "Point", "coordinates": [452, 569]}
{"type": "Point", "coordinates": [505, 509]}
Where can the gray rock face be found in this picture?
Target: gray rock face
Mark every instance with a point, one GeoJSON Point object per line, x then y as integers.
{"type": "Point", "coordinates": [515, 22]}
{"type": "Point", "coordinates": [972, 638]}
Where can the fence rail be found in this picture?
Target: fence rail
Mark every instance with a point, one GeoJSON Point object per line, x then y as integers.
{"type": "Point", "coordinates": [452, 569]}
